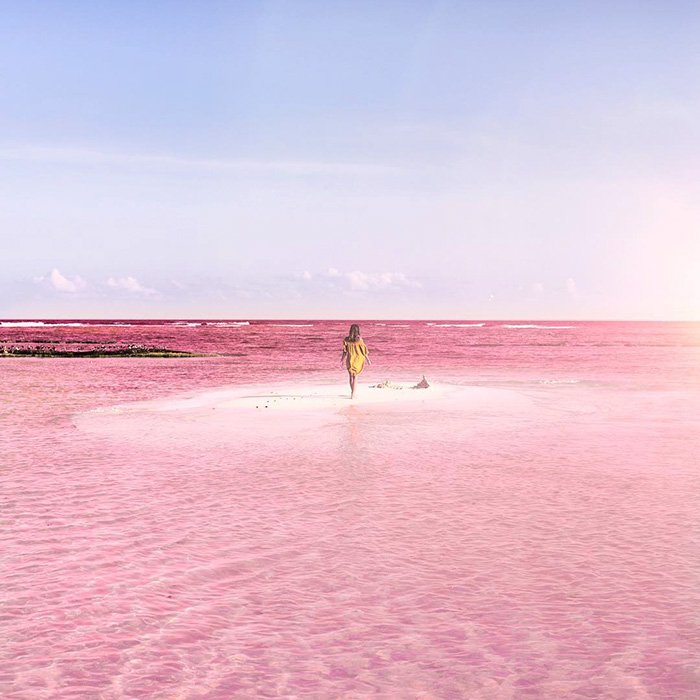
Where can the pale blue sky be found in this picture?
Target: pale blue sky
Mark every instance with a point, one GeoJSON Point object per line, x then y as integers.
{"type": "Point", "coordinates": [350, 159]}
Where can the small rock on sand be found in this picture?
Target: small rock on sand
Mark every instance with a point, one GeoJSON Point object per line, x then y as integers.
{"type": "Point", "coordinates": [422, 384]}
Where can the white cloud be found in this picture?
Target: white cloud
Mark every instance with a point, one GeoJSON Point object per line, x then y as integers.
{"type": "Point", "coordinates": [357, 280]}
{"type": "Point", "coordinates": [571, 286]}
{"type": "Point", "coordinates": [61, 283]}
{"type": "Point", "coordinates": [130, 284]}
{"type": "Point", "coordinates": [538, 288]}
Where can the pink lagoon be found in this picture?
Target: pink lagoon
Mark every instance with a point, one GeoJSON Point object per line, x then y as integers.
{"type": "Point", "coordinates": [496, 203]}
{"type": "Point", "coordinates": [231, 525]}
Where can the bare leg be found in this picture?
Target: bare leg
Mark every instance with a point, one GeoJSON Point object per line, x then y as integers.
{"type": "Point", "coordinates": [352, 386]}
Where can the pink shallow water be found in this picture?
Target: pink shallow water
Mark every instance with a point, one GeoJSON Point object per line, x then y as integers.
{"type": "Point", "coordinates": [543, 546]}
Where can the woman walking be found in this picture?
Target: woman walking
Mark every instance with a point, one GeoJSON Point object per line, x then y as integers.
{"type": "Point", "coordinates": [354, 355]}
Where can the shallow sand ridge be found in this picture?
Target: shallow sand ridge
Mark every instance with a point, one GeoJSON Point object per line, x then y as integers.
{"type": "Point", "coordinates": [240, 412]}
{"type": "Point", "coordinates": [247, 415]}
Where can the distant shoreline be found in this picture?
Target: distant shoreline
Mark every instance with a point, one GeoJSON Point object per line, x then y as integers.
{"type": "Point", "coordinates": [133, 351]}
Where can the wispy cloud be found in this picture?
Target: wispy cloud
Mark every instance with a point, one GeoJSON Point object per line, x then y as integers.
{"type": "Point", "coordinates": [359, 281]}
{"type": "Point", "coordinates": [105, 157]}
{"type": "Point", "coordinates": [130, 284]}
{"type": "Point", "coordinates": [61, 283]}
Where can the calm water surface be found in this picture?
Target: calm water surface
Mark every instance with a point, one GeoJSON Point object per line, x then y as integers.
{"type": "Point", "coordinates": [551, 550]}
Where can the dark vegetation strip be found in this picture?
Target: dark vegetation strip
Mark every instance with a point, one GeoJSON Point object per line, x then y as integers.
{"type": "Point", "coordinates": [130, 351]}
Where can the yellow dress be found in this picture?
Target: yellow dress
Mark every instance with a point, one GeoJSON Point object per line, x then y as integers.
{"type": "Point", "coordinates": [356, 355]}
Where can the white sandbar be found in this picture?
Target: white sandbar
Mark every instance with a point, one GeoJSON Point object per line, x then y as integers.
{"type": "Point", "coordinates": [259, 413]}
{"type": "Point", "coordinates": [320, 399]}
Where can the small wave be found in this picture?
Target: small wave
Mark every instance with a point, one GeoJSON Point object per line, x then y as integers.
{"type": "Point", "coordinates": [380, 324]}
{"type": "Point", "coordinates": [457, 325]}
{"type": "Point", "coordinates": [185, 324]}
{"type": "Point", "coordinates": [36, 324]}
{"type": "Point", "coordinates": [292, 325]}
{"type": "Point", "coordinates": [228, 324]}
{"type": "Point", "coordinates": [532, 325]}
{"type": "Point", "coordinates": [560, 381]}
{"type": "Point", "coordinates": [107, 325]}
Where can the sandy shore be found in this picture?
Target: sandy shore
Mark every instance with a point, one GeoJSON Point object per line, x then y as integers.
{"type": "Point", "coordinates": [322, 398]}
{"type": "Point", "coordinates": [306, 397]}
{"type": "Point", "coordinates": [267, 411]}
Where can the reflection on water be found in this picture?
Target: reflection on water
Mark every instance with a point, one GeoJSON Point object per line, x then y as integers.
{"type": "Point", "coordinates": [489, 552]}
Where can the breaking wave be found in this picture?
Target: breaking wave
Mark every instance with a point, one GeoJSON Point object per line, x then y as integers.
{"type": "Point", "coordinates": [532, 325]}
{"type": "Point", "coordinates": [456, 325]}
{"type": "Point", "coordinates": [49, 324]}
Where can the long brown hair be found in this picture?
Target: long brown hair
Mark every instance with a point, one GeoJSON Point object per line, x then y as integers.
{"type": "Point", "coordinates": [354, 334]}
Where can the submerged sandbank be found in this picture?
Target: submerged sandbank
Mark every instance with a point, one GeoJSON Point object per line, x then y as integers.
{"type": "Point", "coordinates": [321, 398]}
{"type": "Point", "coordinates": [260, 411]}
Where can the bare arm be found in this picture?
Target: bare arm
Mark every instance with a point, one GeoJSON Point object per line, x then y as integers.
{"type": "Point", "coordinates": [366, 353]}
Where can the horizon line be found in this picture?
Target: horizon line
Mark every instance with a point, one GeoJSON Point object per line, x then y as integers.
{"type": "Point", "coordinates": [348, 318]}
